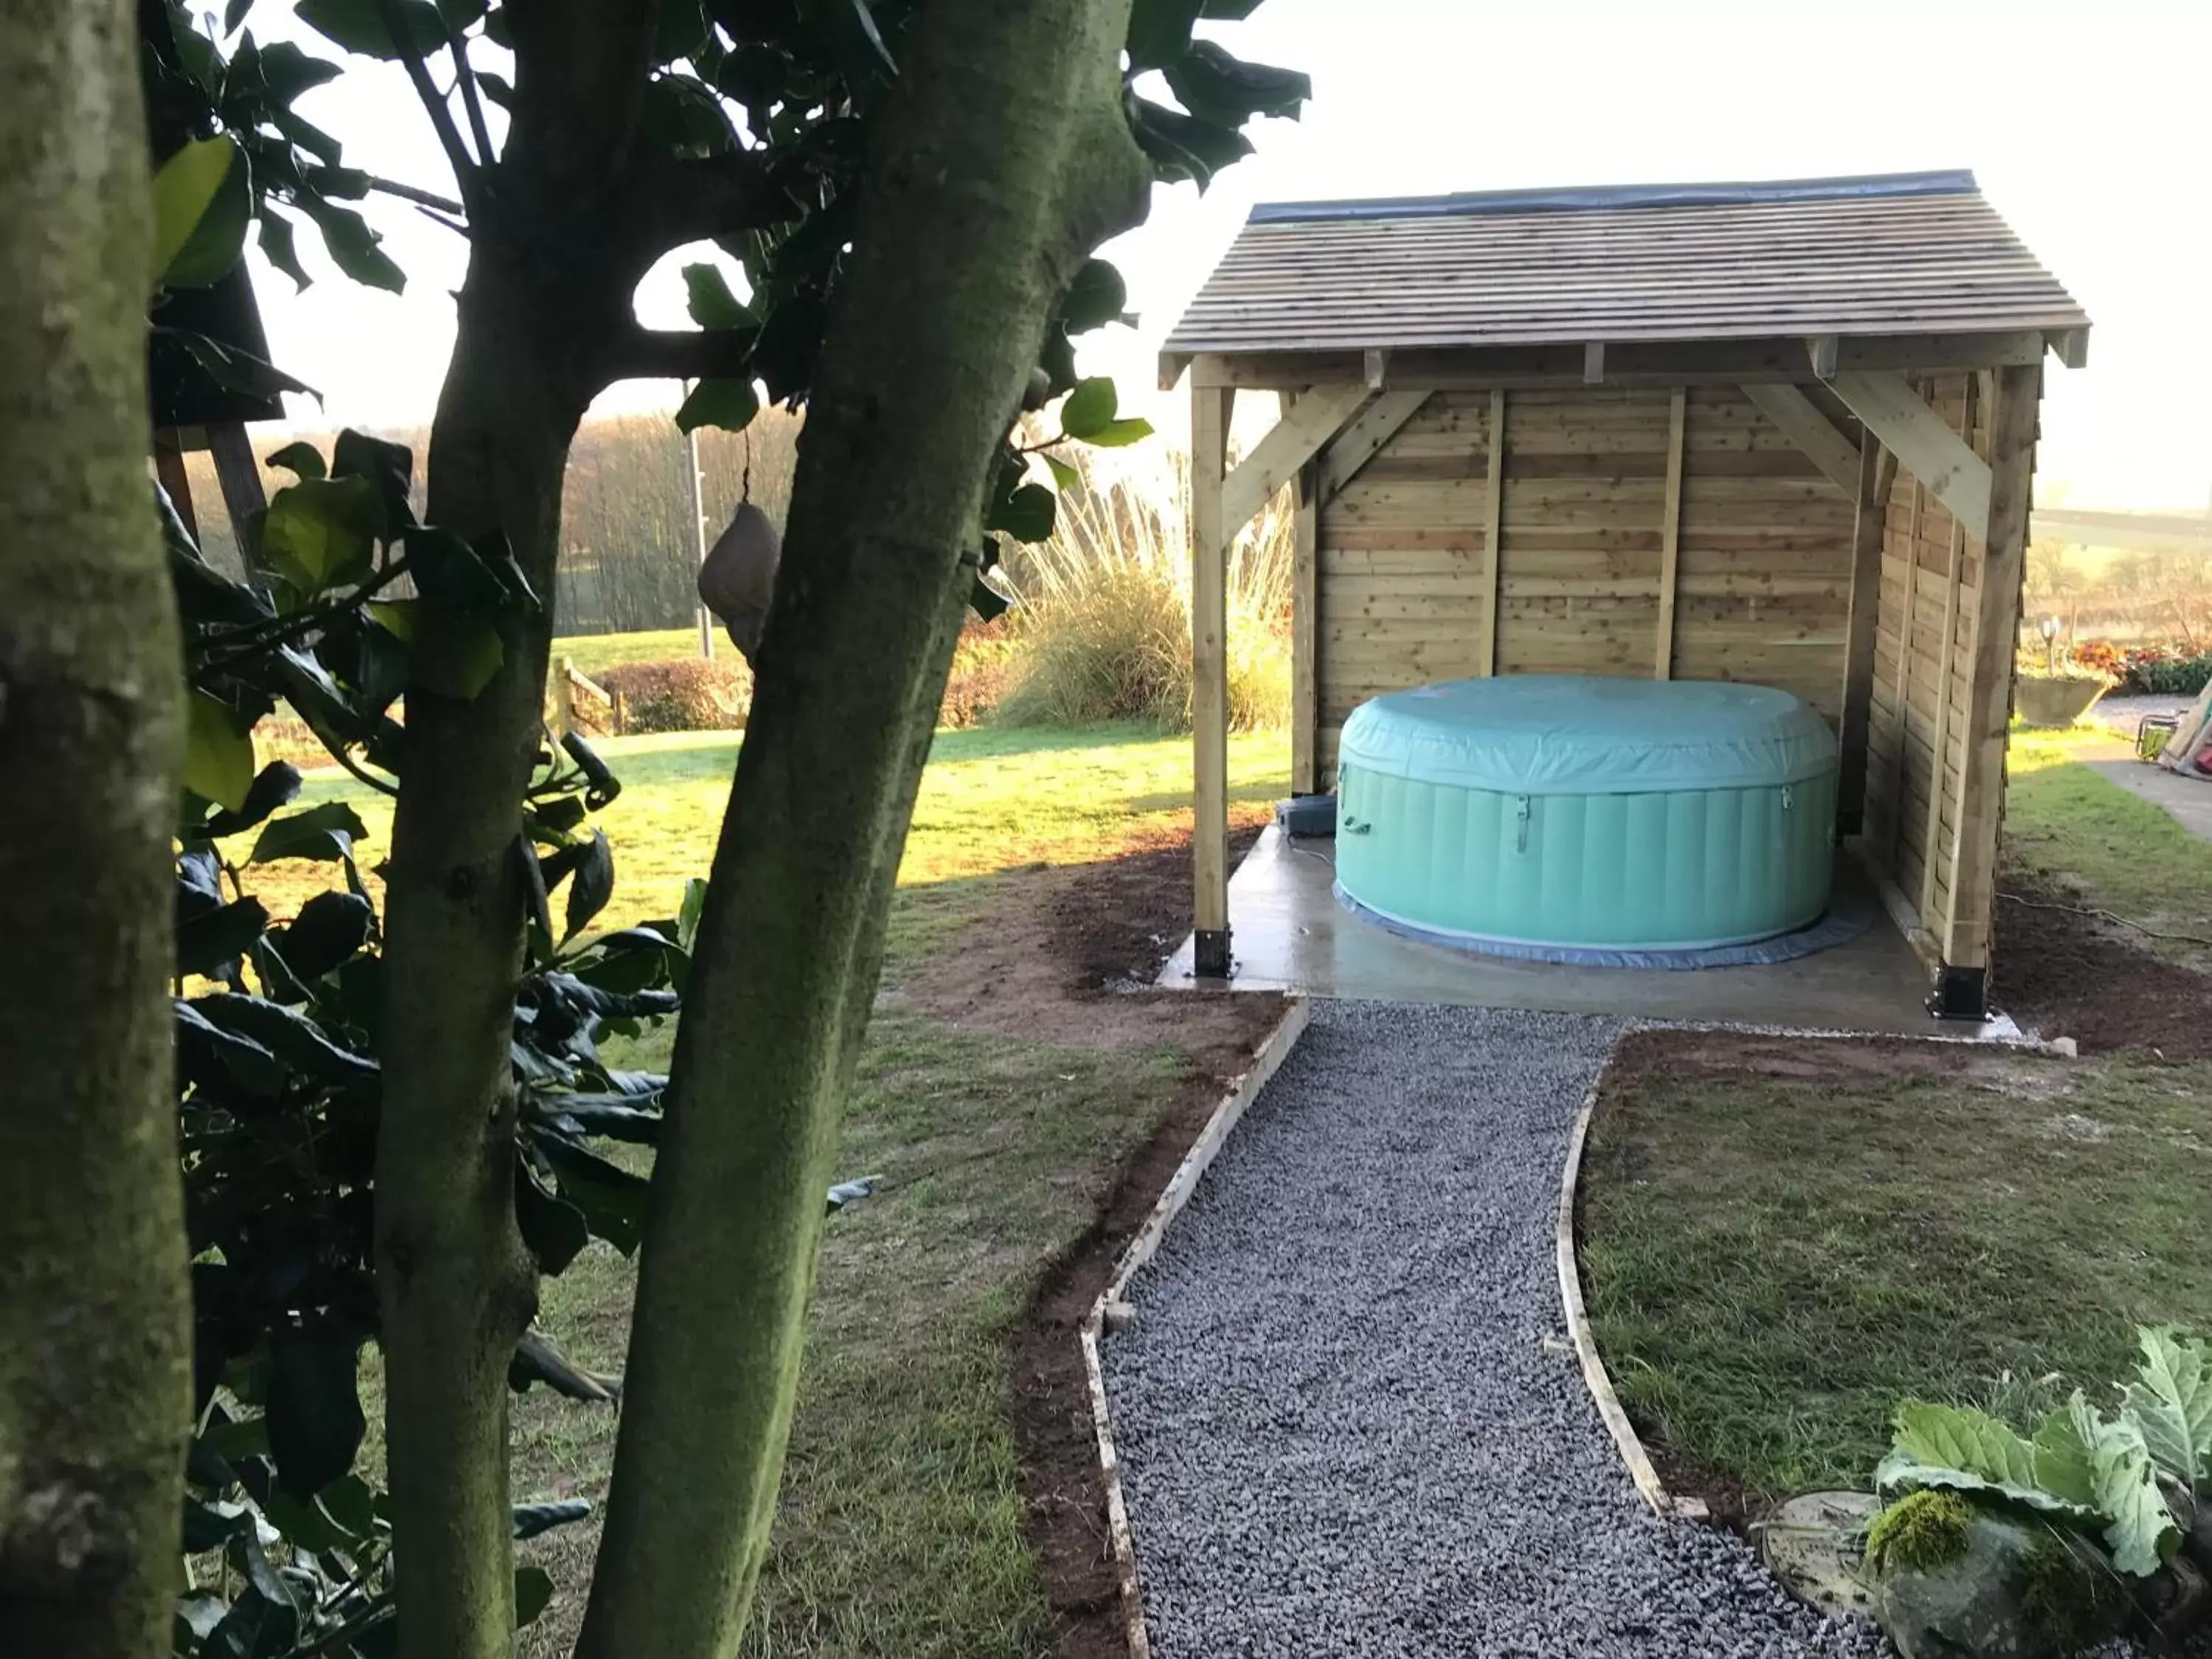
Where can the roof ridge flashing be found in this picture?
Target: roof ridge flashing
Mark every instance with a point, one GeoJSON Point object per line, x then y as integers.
{"type": "Point", "coordinates": [1599, 199]}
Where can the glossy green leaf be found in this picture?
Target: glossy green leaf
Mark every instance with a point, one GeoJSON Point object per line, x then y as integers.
{"type": "Point", "coordinates": [1089, 408]}
{"type": "Point", "coordinates": [1063, 475]}
{"type": "Point", "coordinates": [592, 884]}
{"type": "Point", "coordinates": [279, 246]}
{"type": "Point", "coordinates": [302, 460]}
{"type": "Point", "coordinates": [1097, 296]}
{"type": "Point", "coordinates": [315, 1421]}
{"type": "Point", "coordinates": [687, 917]}
{"type": "Point", "coordinates": [462, 15]}
{"type": "Point", "coordinates": [1217, 87]}
{"type": "Point", "coordinates": [388, 466]}
{"type": "Point", "coordinates": [1184, 147]}
{"type": "Point", "coordinates": [681, 30]}
{"type": "Point", "coordinates": [286, 71]}
{"type": "Point", "coordinates": [453, 656]}
{"type": "Point", "coordinates": [353, 247]}
{"type": "Point", "coordinates": [554, 1230]}
{"type": "Point", "coordinates": [321, 532]}
{"type": "Point", "coordinates": [233, 368]}
{"type": "Point", "coordinates": [208, 941]}
{"type": "Point", "coordinates": [730, 405]}
{"type": "Point", "coordinates": [330, 930]}
{"type": "Point", "coordinates": [1159, 31]}
{"type": "Point", "coordinates": [358, 25]}
{"type": "Point", "coordinates": [1027, 515]}
{"type": "Point", "coordinates": [533, 1593]}
{"type": "Point", "coordinates": [532, 1519]}
{"type": "Point", "coordinates": [323, 833]}
{"type": "Point", "coordinates": [218, 752]}
{"type": "Point", "coordinates": [711, 303]}
{"type": "Point", "coordinates": [1115, 435]}
{"type": "Point", "coordinates": [276, 785]}
{"type": "Point", "coordinates": [202, 202]}
{"type": "Point", "coordinates": [986, 601]}
{"type": "Point", "coordinates": [235, 14]}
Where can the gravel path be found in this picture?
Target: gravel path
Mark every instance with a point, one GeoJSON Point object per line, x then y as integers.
{"type": "Point", "coordinates": [1341, 1430]}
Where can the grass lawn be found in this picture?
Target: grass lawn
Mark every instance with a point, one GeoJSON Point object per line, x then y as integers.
{"type": "Point", "coordinates": [901, 1525]}
{"type": "Point", "coordinates": [1775, 1256]}
{"type": "Point", "coordinates": [1784, 1239]}
{"type": "Point", "coordinates": [591, 653]}
{"type": "Point", "coordinates": [2120, 853]}
{"type": "Point", "coordinates": [992, 801]}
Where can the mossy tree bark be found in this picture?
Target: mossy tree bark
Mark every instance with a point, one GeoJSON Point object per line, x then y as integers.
{"type": "Point", "coordinates": [1005, 158]}
{"type": "Point", "coordinates": [94, 1323]}
{"type": "Point", "coordinates": [563, 228]}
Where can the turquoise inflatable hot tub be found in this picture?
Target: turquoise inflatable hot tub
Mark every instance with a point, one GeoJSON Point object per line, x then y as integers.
{"type": "Point", "coordinates": [1604, 815]}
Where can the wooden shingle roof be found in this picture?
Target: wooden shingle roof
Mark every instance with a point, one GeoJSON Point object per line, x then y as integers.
{"type": "Point", "coordinates": [1900, 253]}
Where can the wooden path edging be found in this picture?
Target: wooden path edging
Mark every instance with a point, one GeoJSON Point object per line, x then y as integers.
{"type": "Point", "coordinates": [1113, 1307]}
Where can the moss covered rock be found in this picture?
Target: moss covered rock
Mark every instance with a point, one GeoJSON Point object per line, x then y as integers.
{"type": "Point", "coordinates": [1951, 1578]}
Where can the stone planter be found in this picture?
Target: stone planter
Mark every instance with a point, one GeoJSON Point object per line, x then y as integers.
{"type": "Point", "coordinates": [2055, 700]}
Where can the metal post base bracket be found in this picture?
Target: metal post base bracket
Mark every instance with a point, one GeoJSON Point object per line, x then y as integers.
{"type": "Point", "coordinates": [1210, 953]}
{"type": "Point", "coordinates": [1960, 994]}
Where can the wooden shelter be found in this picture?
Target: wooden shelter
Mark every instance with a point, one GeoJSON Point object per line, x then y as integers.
{"type": "Point", "coordinates": [1775, 433]}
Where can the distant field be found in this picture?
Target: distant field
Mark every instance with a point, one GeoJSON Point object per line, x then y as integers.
{"type": "Point", "coordinates": [592, 652]}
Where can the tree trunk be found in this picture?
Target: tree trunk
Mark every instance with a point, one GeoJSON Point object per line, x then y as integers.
{"type": "Point", "coordinates": [95, 1312]}
{"type": "Point", "coordinates": [456, 1286]}
{"type": "Point", "coordinates": [1004, 158]}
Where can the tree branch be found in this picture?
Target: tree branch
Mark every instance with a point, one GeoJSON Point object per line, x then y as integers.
{"type": "Point", "coordinates": [664, 354]}
{"type": "Point", "coordinates": [465, 76]}
{"type": "Point", "coordinates": [428, 198]}
{"type": "Point", "coordinates": [675, 201]}
{"type": "Point", "coordinates": [441, 118]}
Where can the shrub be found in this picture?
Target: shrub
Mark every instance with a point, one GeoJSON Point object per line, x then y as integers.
{"type": "Point", "coordinates": [1103, 612]}
{"type": "Point", "coordinates": [2169, 676]}
{"type": "Point", "coordinates": [682, 695]}
{"type": "Point", "coordinates": [982, 664]}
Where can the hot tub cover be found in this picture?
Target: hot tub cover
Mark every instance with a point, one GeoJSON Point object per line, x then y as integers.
{"type": "Point", "coordinates": [1574, 734]}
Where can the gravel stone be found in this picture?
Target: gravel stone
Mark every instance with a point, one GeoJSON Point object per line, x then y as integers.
{"type": "Point", "coordinates": [1341, 1430]}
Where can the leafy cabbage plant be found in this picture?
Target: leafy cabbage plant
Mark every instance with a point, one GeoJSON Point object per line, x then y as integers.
{"type": "Point", "coordinates": [2128, 1480]}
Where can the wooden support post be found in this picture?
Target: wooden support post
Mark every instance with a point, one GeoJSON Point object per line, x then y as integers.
{"type": "Point", "coordinates": [1873, 506]}
{"type": "Point", "coordinates": [561, 693]}
{"type": "Point", "coordinates": [1911, 598]}
{"type": "Point", "coordinates": [1670, 534]}
{"type": "Point", "coordinates": [169, 468]}
{"type": "Point", "coordinates": [1210, 408]}
{"type": "Point", "coordinates": [1305, 628]}
{"type": "Point", "coordinates": [1307, 426]}
{"type": "Point", "coordinates": [1377, 366]}
{"type": "Point", "coordinates": [1931, 846]}
{"type": "Point", "coordinates": [1361, 441]}
{"type": "Point", "coordinates": [1494, 521]}
{"type": "Point", "coordinates": [1962, 988]}
{"type": "Point", "coordinates": [243, 498]}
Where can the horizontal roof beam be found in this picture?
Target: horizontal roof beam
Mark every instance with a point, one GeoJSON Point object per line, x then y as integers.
{"type": "Point", "coordinates": [1659, 362]}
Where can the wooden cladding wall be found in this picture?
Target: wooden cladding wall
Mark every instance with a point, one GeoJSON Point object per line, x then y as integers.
{"type": "Point", "coordinates": [1404, 582]}
{"type": "Point", "coordinates": [1931, 577]}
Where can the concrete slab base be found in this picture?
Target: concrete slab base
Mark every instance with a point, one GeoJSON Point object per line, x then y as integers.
{"type": "Point", "coordinates": [1289, 934]}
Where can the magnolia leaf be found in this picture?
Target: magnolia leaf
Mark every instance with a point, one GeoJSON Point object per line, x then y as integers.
{"type": "Point", "coordinates": [315, 1419]}
{"type": "Point", "coordinates": [729, 404]}
{"type": "Point", "coordinates": [1028, 515]}
{"type": "Point", "coordinates": [326, 834]}
{"type": "Point", "coordinates": [218, 752]}
{"type": "Point", "coordinates": [592, 884]}
{"type": "Point", "coordinates": [1097, 296]}
{"type": "Point", "coordinates": [359, 25]}
{"type": "Point", "coordinates": [453, 656]}
{"type": "Point", "coordinates": [1063, 475]}
{"type": "Point", "coordinates": [533, 1592]}
{"type": "Point", "coordinates": [353, 247]}
{"type": "Point", "coordinates": [532, 1519]}
{"type": "Point", "coordinates": [711, 303]}
{"type": "Point", "coordinates": [321, 532]}
{"type": "Point", "coordinates": [303, 460]}
{"type": "Point", "coordinates": [1089, 408]}
{"type": "Point", "coordinates": [1115, 434]}
{"type": "Point", "coordinates": [1225, 90]}
{"type": "Point", "coordinates": [687, 917]}
{"type": "Point", "coordinates": [986, 601]}
{"type": "Point", "coordinates": [201, 203]}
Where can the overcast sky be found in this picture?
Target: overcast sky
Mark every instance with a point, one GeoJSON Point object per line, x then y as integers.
{"type": "Point", "coordinates": [2085, 123]}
